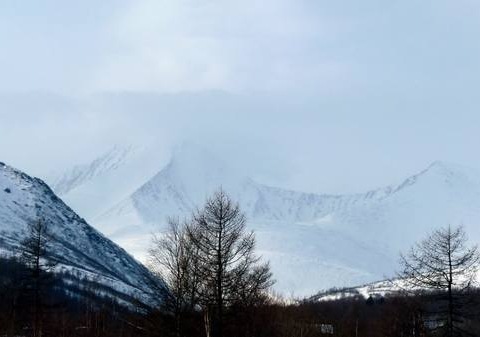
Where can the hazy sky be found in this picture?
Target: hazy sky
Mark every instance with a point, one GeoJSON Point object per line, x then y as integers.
{"type": "Point", "coordinates": [327, 96]}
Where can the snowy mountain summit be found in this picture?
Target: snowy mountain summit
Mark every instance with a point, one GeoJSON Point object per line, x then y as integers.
{"type": "Point", "coordinates": [314, 241]}
{"type": "Point", "coordinates": [77, 247]}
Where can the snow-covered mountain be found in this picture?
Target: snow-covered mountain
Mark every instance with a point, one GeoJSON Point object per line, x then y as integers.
{"type": "Point", "coordinates": [313, 241]}
{"type": "Point", "coordinates": [82, 174]}
{"type": "Point", "coordinates": [92, 188]}
{"type": "Point", "coordinates": [76, 246]}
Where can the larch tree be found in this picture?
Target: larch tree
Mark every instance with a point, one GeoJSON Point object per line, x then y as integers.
{"type": "Point", "coordinates": [35, 254]}
{"type": "Point", "coordinates": [443, 263]}
{"type": "Point", "coordinates": [209, 264]}
{"type": "Point", "coordinates": [172, 257]}
{"type": "Point", "coordinates": [228, 267]}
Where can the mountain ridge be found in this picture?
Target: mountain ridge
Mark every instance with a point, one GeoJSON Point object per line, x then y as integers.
{"type": "Point", "coordinates": [76, 246]}
{"type": "Point", "coordinates": [354, 238]}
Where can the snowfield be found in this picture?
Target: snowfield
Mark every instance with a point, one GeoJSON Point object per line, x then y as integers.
{"type": "Point", "coordinates": [314, 241]}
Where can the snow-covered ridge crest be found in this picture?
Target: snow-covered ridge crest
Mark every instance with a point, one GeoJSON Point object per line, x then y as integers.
{"type": "Point", "coordinates": [314, 241]}
{"type": "Point", "coordinates": [81, 174]}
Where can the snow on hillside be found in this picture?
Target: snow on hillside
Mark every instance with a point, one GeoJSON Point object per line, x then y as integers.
{"type": "Point", "coordinates": [375, 290]}
{"type": "Point", "coordinates": [378, 289]}
{"type": "Point", "coordinates": [76, 246]}
{"type": "Point", "coordinates": [314, 241]}
{"type": "Point", "coordinates": [95, 187]}
{"type": "Point", "coordinates": [290, 226]}
{"type": "Point", "coordinates": [80, 174]}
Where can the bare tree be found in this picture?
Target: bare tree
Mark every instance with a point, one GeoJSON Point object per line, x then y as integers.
{"type": "Point", "coordinates": [173, 258]}
{"type": "Point", "coordinates": [36, 257]}
{"type": "Point", "coordinates": [208, 262]}
{"type": "Point", "coordinates": [254, 285]}
{"type": "Point", "coordinates": [229, 270]}
{"type": "Point", "coordinates": [445, 264]}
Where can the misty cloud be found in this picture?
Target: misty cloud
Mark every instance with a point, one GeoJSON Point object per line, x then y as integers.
{"type": "Point", "coordinates": [314, 95]}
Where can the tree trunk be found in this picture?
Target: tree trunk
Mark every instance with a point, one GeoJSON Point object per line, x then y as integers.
{"type": "Point", "coordinates": [450, 295]}
{"type": "Point", "coordinates": [36, 327]}
{"type": "Point", "coordinates": [178, 320]}
{"type": "Point", "coordinates": [219, 318]}
{"type": "Point", "coordinates": [450, 311]}
{"type": "Point", "coordinates": [207, 322]}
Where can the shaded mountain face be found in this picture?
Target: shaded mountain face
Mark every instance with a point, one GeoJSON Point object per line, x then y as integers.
{"type": "Point", "coordinates": [78, 248]}
{"type": "Point", "coordinates": [313, 241]}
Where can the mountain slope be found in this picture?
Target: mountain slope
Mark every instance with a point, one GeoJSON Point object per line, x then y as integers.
{"type": "Point", "coordinates": [76, 246]}
{"type": "Point", "coordinates": [93, 188]}
{"type": "Point", "coordinates": [290, 226]}
{"type": "Point", "coordinates": [314, 241]}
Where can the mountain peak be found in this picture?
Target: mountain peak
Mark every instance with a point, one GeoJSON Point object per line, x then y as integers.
{"type": "Point", "coordinates": [197, 169]}
{"type": "Point", "coordinates": [443, 166]}
{"type": "Point", "coordinates": [449, 170]}
{"type": "Point", "coordinates": [194, 157]}
{"type": "Point", "coordinates": [81, 174]}
{"type": "Point", "coordinates": [440, 173]}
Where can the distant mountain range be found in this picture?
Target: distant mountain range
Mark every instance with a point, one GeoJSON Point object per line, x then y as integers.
{"type": "Point", "coordinates": [314, 241]}
{"type": "Point", "coordinates": [78, 248]}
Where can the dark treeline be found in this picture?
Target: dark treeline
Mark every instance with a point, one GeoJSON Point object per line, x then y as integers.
{"type": "Point", "coordinates": [66, 306]}
{"type": "Point", "coordinates": [391, 316]}
{"type": "Point", "coordinates": [218, 287]}
{"type": "Point", "coordinates": [70, 314]}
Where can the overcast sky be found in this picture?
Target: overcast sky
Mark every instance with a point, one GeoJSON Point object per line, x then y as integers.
{"type": "Point", "coordinates": [326, 96]}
